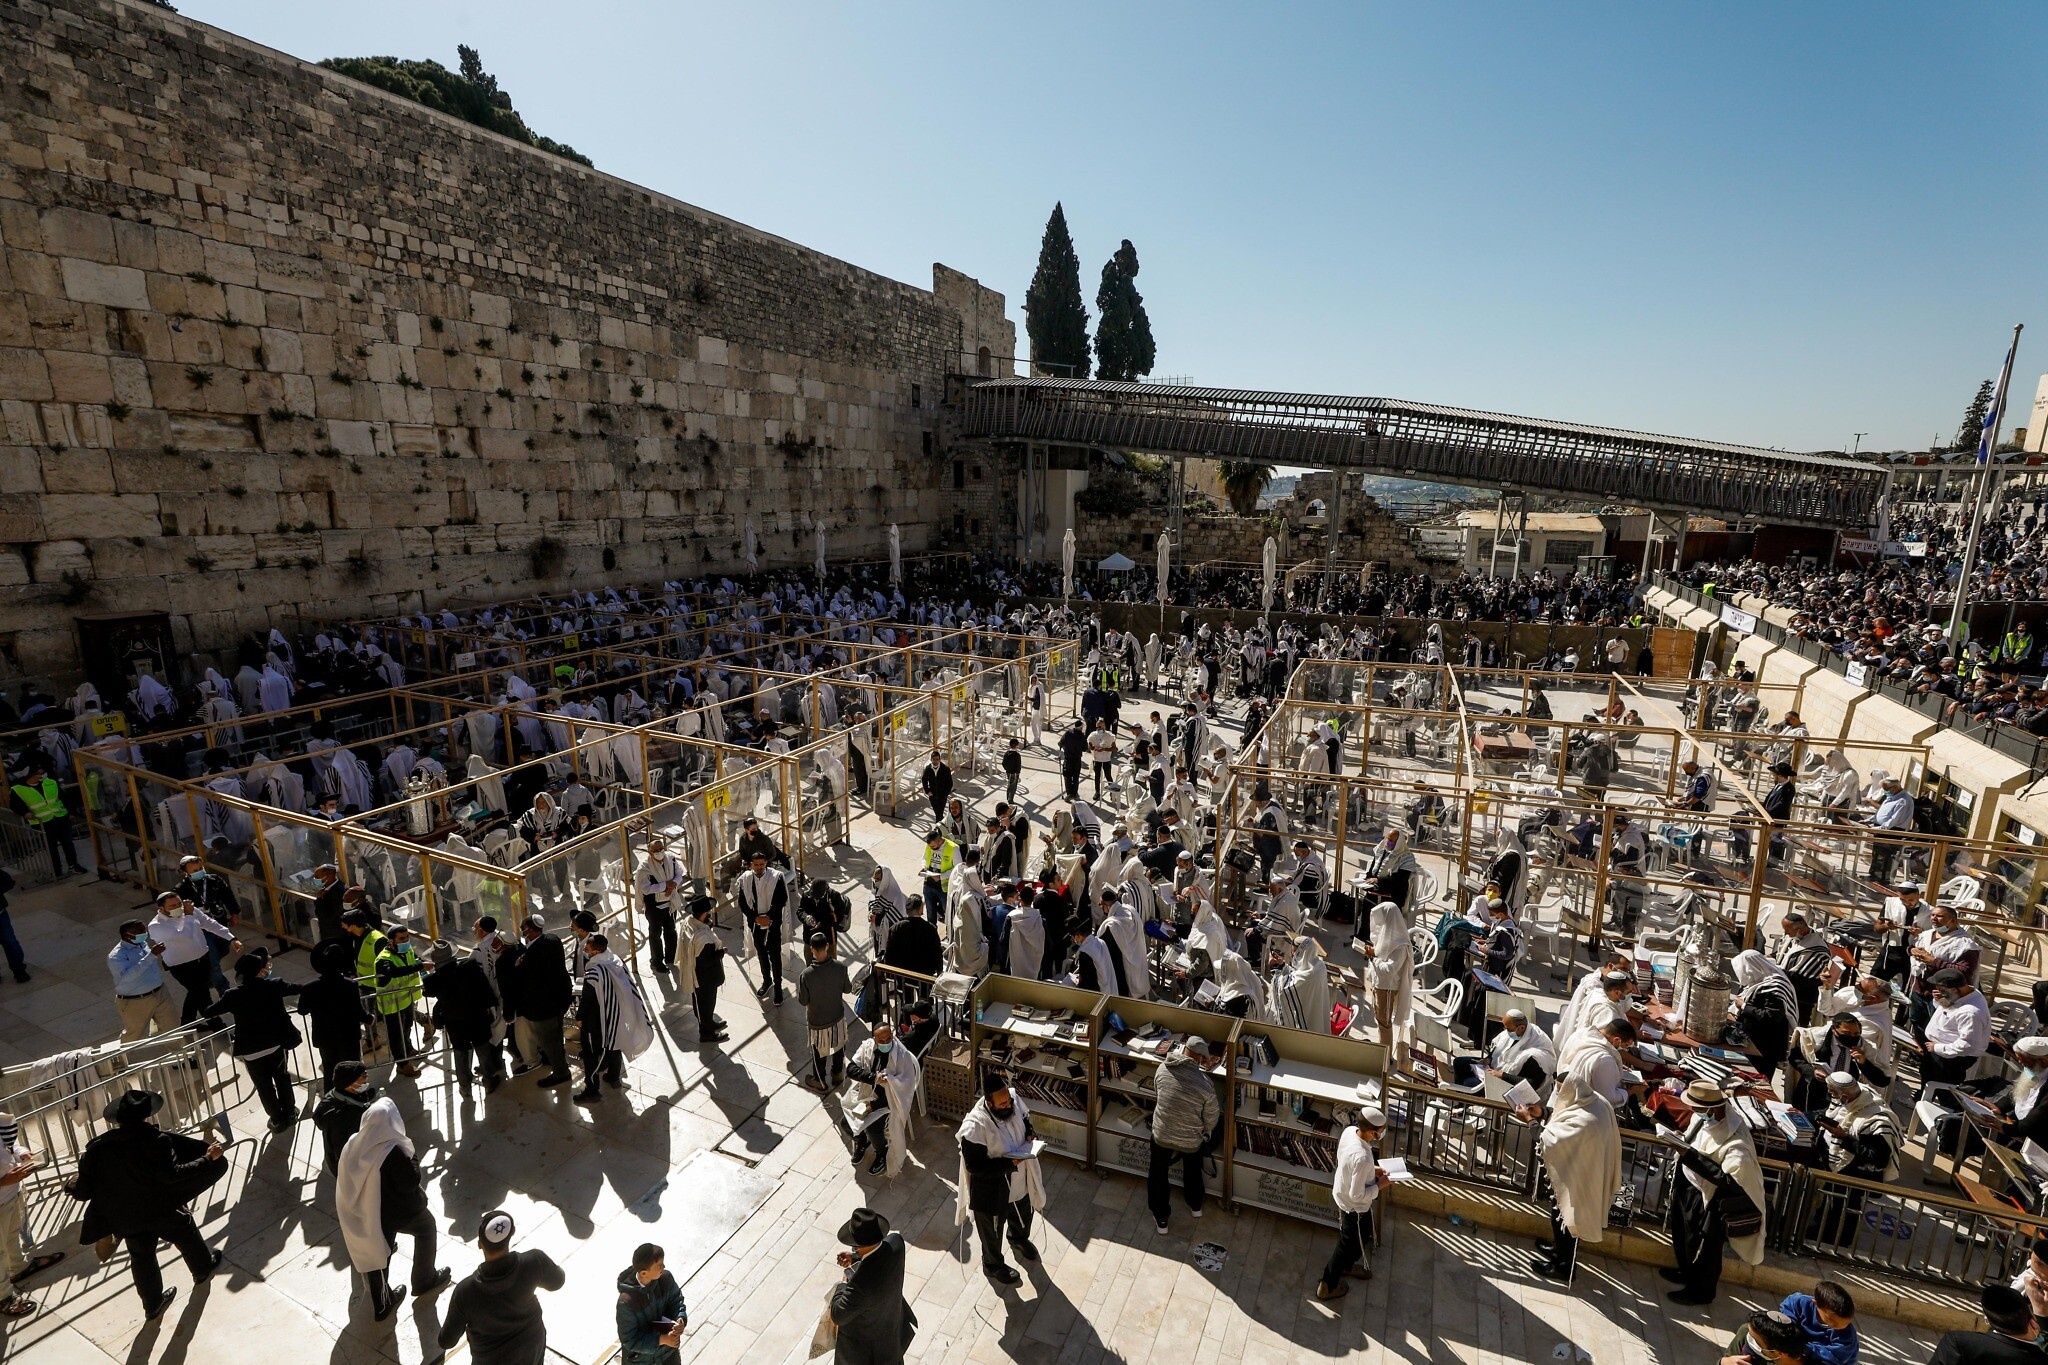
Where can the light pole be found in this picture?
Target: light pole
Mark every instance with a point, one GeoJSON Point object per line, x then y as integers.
{"type": "Point", "coordinates": [1859, 442]}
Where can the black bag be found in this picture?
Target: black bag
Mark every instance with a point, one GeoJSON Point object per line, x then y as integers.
{"type": "Point", "coordinates": [1241, 859]}
{"type": "Point", "coordinates": [1739, 1216]}
{"type": "Point", "coordinates": [1342, 909]}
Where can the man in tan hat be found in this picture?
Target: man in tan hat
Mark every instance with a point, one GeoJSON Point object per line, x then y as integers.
{"type": "Point", "coordinates": [1721, 1199]}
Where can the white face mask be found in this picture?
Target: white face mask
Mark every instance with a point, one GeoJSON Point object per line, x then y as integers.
{"type": "Point", "coordinates": [175, 911]}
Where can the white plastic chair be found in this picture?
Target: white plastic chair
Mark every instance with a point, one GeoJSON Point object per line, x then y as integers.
{"type": "Point", "coordinates": [1956, 890]}
{"type": "Point", "coordinates": [1441, 1002]}
{"type": "Point", "coordinates": [1423, 946]}
{"type": "Point", "coordinates": [408, 905]}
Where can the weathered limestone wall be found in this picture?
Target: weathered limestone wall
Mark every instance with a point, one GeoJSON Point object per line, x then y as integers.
{"type": "Point", "coordinates": [272, 340]}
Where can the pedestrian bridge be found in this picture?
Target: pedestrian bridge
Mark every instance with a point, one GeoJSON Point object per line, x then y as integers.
{"type": "Point", "coordinates": [1423, 441]}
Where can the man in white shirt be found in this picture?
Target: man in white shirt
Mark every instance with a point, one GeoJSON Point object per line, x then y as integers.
{"type": "Point", "coordinates": [659, 881]}
{"type": "Point", "coordinates": [183, 931]}
{"type": "Point", "coordinates": [1957, 1032]}
{"type": "Point", "coordinates": [1354, 1188]}
{"type": "Point", "coordinates": [1521, 1052]}
{"type": "Point", "coordinates": [1894, 813]}
{"type": "Point", "coordinates": [764, 898]}
{"type": "Point", "coordinates": [1102, 754]}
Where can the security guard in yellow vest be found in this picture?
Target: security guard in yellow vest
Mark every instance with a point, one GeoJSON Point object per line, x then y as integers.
{"type": "Point", "coordinates": [40, 801]}
{"type": "Point", "coordinates": [398, 971]}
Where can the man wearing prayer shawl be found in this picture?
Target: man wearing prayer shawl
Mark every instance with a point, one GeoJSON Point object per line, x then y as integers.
{"type": "Point", "coordinates": [613, 1018]}
{"type": "Point", "coordinates": [1580, 1147]}
{"type": "Point", "coordinates": [1000, 1183]}
{"type": "Point", "coordinates": [1720, 1199]}
{"type": "Point", "coordinates": [885, 1080]}
{"type": "Point", "coordinates": [377, 1195]}
{"type": "Point", "coordinates": [1298, 990]}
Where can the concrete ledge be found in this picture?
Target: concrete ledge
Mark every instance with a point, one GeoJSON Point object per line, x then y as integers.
{"type": "Point", "coordinates": [1877, 1294]}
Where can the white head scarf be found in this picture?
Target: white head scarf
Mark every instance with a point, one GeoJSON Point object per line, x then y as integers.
{"type": "Point", "coordinates": [359, 1184]}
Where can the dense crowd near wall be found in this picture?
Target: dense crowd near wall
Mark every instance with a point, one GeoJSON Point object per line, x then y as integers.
{"type": "Point", "coordinates": [272, 339]}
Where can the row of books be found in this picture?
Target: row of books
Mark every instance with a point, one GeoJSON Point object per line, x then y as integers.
{"type": "Point", "coordinates": [1300, 1149]}
{"type": "Point", "coordinates": [1052, 1090]}
{"type": "Point", "coordinates": [1004, 1050]}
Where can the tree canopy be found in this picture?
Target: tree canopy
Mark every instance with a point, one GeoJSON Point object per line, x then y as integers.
{"type": "Point", "coordinates": [1054, 317]}
{"type": "Point", "coordinates": [471, 94]}
{"type": "Point", "coordinates": [1123, 334]}
{"type": "Point", "coordinates": [1972, 429]}
{"type": "Point", "coordinates": [1243, 483]}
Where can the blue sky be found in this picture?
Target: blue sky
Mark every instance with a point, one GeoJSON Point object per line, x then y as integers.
{"type": "Point", "coordinates": [1752, 222]}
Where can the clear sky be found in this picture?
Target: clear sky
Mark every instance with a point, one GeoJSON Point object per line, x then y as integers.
{"type": "Point", "coordinates": [1768, 223]}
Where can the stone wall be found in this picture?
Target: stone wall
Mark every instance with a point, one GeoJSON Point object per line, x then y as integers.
{"type": "Point", "coordinates": [272, 340]}
{"type": "Point", "coordinates": [1372, 534]}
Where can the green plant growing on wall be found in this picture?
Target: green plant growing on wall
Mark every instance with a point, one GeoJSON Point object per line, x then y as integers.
{"type": "Point", "coordinates": [546, 556]}
{"type": "Point", "coordinates": [470, 94]}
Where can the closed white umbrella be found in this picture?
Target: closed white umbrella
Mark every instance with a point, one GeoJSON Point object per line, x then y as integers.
{"type": "Point", "coordinates": [1272, 567]}
{"type": "Point", "coordinates": [895, 556]}
{"type": "Point", "coordinates": [1067, 563]}
{"type": "Point", "coordinates": [753, 547]}
{"type": "Point", "coordinates": [1165, 564]}
{"type": "Point", "coordinates": [818, 535]}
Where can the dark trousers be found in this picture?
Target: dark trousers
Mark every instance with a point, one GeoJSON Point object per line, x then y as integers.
{"type": "Point", "coordinates": [858, 763]}
{"type": "Point", "coordinates": [1012, 1220]}
{"type": "Point", "coordinates": [1564, 1248]}
{"type": "Point", "coordinates": [273, 1081]}
{"type": "Point", "coordinates": [661, 936]}
{"type": "Point", "coordinates": [1159, 1180]}
{"type": "Point", "coordinates": [1354, 1243]}
{"type": "Point", "coordinates": [768, 947]}
{"type": "Point", "coordinates": [1883, 853]}
{"type": "Point", "coordinates": [1103, 770]}
{"type": "Point", "coordinates": [465, 1046]}
{"type": "Point", "coordinates": [57, 832]}
{"type": "Point", "coordinates": [875, 1135]}
{"type": "Point", "coordinates": [196, 977]}
{"type": "Point", "coordinates": [181, 1232]}
{"type": "Point", "coordinates": [1938, 1070]}
{"type": "Point", "coordinates": [1070, 779]}
{"type": "Point", "coordinates": [331, 1057]}
{"type": "Point", "coordinates": [419, 1227]}
{"type": "Point", "coordinates": [705, 1002]}
{"type": "Point", "coordinates": [1013, 780]}
{"type": "Point", "coordinates": [608, 1063]}
{"type": "Point", "coordinates": [829, 1071]}
{"type": "Point", "coordinates": [16, 963]}
{"type": "Point", "coordinates": [398, 1033]}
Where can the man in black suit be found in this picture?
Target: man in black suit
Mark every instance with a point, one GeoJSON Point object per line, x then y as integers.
{"type": "Point", "coordinates": [136, 1180]}
{"type": "Point", "coordinates": [544, 994]}
{"type": "Point", "coordinates": [874, 1319]}
{"type": "Point", "coordinates": [2014, 1338]}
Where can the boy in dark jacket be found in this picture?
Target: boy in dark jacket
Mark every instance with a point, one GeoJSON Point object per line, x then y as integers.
{"type": "Point", "coordinates": [264, 1033]}
{"type": "Point", "coordinates": [466, 1006]}
{"type": "Point", "coordinates": [651, 1314]}
{"type": "Point", "coordinates": [333, 1006]}
{"type": "Point", "coordinates": [496, 1306]}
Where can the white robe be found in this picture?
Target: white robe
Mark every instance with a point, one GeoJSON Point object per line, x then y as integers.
{"type": "Point", "coordinates": [1392, 966]}
{"type": "Point", "coordinates": [901, 1079]}
{"type": "Point", "coordinates": [1729, 1145]}
{"type": "Point", "coordinates": [1123, 929]}
{"type": "Point", "coordinates": [359, 1185]}
{"type": "Point", "coordinates": [1581, 1149]}
{"type": "Point", "coordinates": [1001, 1137]}
{"type": "Point", "coordinates": [623, 1025]}
{"type": "Point", "coordinates": [1026, 942]}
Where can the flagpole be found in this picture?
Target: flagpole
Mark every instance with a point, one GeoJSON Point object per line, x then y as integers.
{"type": "Point", "coordinates": [1987, 442]}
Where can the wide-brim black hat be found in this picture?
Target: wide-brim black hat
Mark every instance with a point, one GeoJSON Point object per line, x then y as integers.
{"type": "Point", "coordinates": [133, 1106]}
{"type": "Point", "coordinates": [864, 1229]}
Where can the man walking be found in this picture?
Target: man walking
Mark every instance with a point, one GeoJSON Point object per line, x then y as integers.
{"type": "Point", "coordinates": [1073, 744]}
{"type": "Point", "coordinates": [764, 900]}
{"type": "Point", "coordinates": [496, 1306]}
{"type": "Point", "coordinates": [264, 1034]}
{"type": "Point", "coordinates": [822, 991]}
{"type": "Point", "coordinates": [874, 1321]}
{"type": "Point", "coordinates": [465, 1005]}
{"type": "Point", "coordinates": [937, 782]}
{"type": "Point", "coordinates": [40, 801]}
{"type": "Point", "coordinates": [999, 1177]}
{"type": "Point", "coordinates": [1355, 1188]}
{"type": "Point", "coordinates": [136, 1180]}
{"type": "Point", "coordinates": [140, 997]}
{"type": "Point", "coordinates": [183, 936]}
{"type": "Point", "coordinates": [651, 1315]}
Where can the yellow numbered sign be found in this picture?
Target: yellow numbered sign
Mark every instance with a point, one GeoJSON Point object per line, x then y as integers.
{"type": "Point", "coordinates": [960, 692]}
{"type": "Point", "coordinates": [718, 798]}
{"type": "Point", "coordinates": [896, 722]}
{"type": "Point", "coordinates": [570, 641]}
{"type": "Point", "coordinates": [1054, 661]}
{"type": "Point", "coordinates": [116, 724]}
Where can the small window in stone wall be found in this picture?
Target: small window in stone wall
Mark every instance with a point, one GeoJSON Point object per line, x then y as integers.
{"type": "Point", "coordinates": [960, 523]}
{"type": "Point", "coordinates": [959, 473]}
{"type": "Point", "coordinates": [1565, 552]}
{"type": "Point", "coordinates": [917, 395]}
{"type": "Point", "coordinates": [927, 443]}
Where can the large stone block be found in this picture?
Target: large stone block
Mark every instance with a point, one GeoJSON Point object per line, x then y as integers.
{"type": "Point", "coordinates": [84, 516]}
{"type": "Point", "coordinates": [116, 286]}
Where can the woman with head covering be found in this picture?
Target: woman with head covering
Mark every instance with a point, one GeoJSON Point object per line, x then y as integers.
{"type": "Point", "coordinates": [377, 1195]}
{"type": "Point", "coordinates": [1766, 1008]}
{"type": "Point", "coordinates": [1390, 967]}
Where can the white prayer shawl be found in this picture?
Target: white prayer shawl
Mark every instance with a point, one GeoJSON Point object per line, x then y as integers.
{"type": "Point", "coordinates": [1001, 1137]}
{"type": "Point", "coordinates": [352, 776]}
{"type": "Point", "coordinates": [152, 698]}
{"type": "Point", "coordinates": [1298, 994]}
{"type": "Point", "coordinates": [901, 1078]}
{"type": "Point", "coordinates": [398, 767]}
{"type": "Point", "coordinates": [1392, 966]}
{"type": "Point", "coordinates": [1027, 942]}
{"type": "Point", "coordinates": [488, 788]}
{"type": "Point", "coordinates": [276, 691]}
{"type": "Point", "coordinates": [966, 943]}
{"type": "Point", "coordinates": [1123, 929]}
{"type": "Point", "coordinates": [1098, 953]}
{"type": "Point", "coordinates": [1207, 933]}
{"type": "Point", "coordinates": [623, 1025]}
{"type": "Point", "coordinates": [359, 1185]}
{"type": "Point", "coordinates": [691, 936]}
{"type": "Point", "coordinates": [1588, 988]}
{"type": "Point", "coordinates": [1728, 1144]}
{"type": "Point", "coordinates": [1510, 1052]}
{"type": "Point", "coordinates": [1581, 1149]}
{"type": "Point", "coordinates": [1235, 978]}
{"type": "Point", "coordinates": [249, 688]}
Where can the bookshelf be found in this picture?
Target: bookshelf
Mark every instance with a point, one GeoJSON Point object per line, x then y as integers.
{"type": "Point", "coordinates": [1044, 1035]}
{"type": "Point", "coordinates": [1290, 1087]}
{"type": "Point", "coordinates": [1126, 1060]}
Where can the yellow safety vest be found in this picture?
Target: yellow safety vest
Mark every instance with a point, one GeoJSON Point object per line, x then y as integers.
{"type": "Point", "coordinates": [399, 969]}
{"type": "Point", "coordinates": [44, 804]}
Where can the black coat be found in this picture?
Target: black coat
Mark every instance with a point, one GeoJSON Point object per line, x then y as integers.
{"type": "Point", "coordinates": [874, 1319]}
{"type": "Point", "coordinates": [1983, 1348]}
{"type": "Point", "coordinates": [334, 1007]}
{"type": "Point", "coordinates": [914, 947]}
{"type": "Point", "coordinates": [262, 1018]}
{"type": "Point", "coordinates": [338, 1116]}
{"type": "Point", "coordinates": [403, 1196]}
{"type": "Point", "coordinates": [137, 1177]}
{"type": "Point", "coordinates": [463, 999]}
{"type": "Point", "coordinates": [544, 990]}
{"type": "Point", "coordinates": [327, 911]}
{"type": "Point", "coordinates": [213, 895]}
{"type": "Point", "coordinates": [988, 1177]}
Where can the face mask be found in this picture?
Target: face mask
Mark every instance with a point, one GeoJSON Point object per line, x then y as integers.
{"type": "Point", "coordinates": [199, 875]}
{"type": "Point", "coordinates": [175, 911]}
{"type": "Point", "coordinates": [883, 1049]}
{"type": "Point", "coordinates": [130, 939]}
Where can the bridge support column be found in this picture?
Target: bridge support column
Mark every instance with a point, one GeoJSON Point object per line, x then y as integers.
{"type": "Point", "coordinates": [1521, 529]}
{"type": "Point", "coordinates": [1333, 522]}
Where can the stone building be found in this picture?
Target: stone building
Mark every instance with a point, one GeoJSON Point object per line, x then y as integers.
{"type": "Point", "coordinates": [273, 341]}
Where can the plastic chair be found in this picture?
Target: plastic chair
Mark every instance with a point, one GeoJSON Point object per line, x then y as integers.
{"type": "Point", "coordinates": [1958, 890]}
{"type": "Point", "coordinates": [1441, 1002]}
{"type": "Point", "coordinates": [1422, 945]}
{"type": "Point", "coordinates": [408, 905]}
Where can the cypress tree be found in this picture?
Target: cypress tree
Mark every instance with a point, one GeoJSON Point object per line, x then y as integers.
{"type": "Point", "coordinates": [1123, 334]}
{"type": "Point", "coordinates": [1973, 419]}
{"type": "Point", "coordinates": [1054, 317]}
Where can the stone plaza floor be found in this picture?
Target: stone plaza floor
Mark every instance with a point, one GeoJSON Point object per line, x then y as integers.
{"type": "Point", "coordinates": [722, 1156]}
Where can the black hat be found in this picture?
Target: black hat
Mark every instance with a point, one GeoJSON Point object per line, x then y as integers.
{"type": "Point", "coordinates": [251, 963]}
{"type": "Point", "coordinates": [133, 1107]}
{"type": "Point", "coordinates": [1947, 976]}
{"type": "Point", "coordinates": [584, 920]}
{"type": "Point", "coordinates": [864, 1229]}
{"type": "Point", "coordinates": [1781, 769]}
